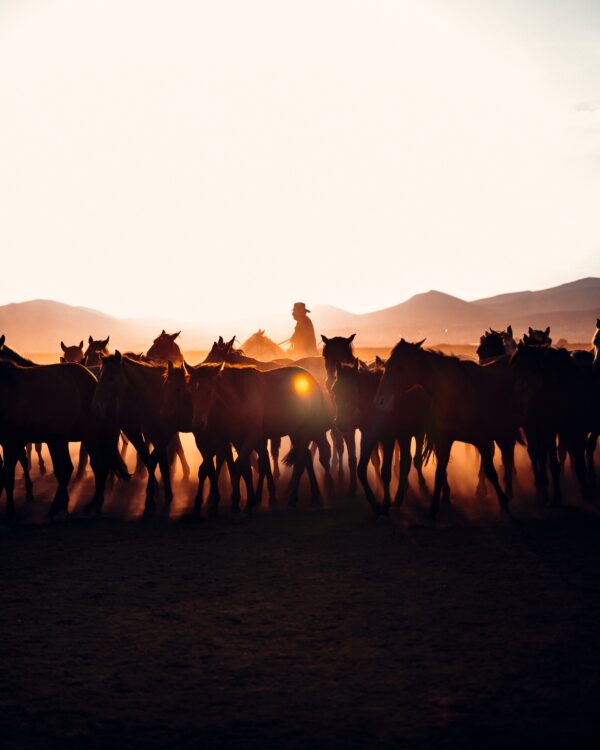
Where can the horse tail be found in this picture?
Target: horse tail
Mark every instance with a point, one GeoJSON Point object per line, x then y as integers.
{"type": "Point", "coordinates": [119, 466]}
{"type": "Point", "coordinates": [429, 445]}
{"type": "Point", "coordinates": [290, 457]}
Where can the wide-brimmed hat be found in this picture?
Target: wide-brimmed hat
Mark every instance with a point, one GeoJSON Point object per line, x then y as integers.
{"type": "Point", "coordinates": [300, 307]}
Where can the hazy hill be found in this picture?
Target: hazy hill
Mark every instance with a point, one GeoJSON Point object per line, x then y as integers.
{"type": "Point", "coordinates": [570, 309]}
{"type": "Point", "coordinates": [40, 325]}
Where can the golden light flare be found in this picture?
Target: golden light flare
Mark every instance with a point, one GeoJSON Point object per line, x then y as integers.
{"type": "Point", "coordinates": [302, 385]}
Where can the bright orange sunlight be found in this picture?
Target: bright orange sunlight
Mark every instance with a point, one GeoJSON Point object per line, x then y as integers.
{"type": "Point", "coordinates": [301, 385]}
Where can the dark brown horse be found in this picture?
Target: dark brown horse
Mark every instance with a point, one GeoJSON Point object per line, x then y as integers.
{"type": "Point", "coordinates": [223, 352]}
{"type": "Point", "coordinates": [10, 355]}
{"type": "Point", "coordinates": [52, 404]}
{"type": "Point", "coordinates": [164, 349]}
{"type": "Point", "coordinates": [247, 407]}
{"type": "Point", "coordinates": [471, 404]}
{"type": "Point", "coordinates": [94, 352]}
{"type": "Point", "coordinates": [537, 337]}
{"type": "Point", "coordinates": [338, 350]}
{"type": "Point", "coordinates": [553, 396]}
{"type": "Point", "coordinates": [131, 397]}
{"type": "Point", "coordinates": [73, 353]}
{"type": "Point", "coordinates": [262, 347]}
{"type": "Point", "coordinates": [354, 392]}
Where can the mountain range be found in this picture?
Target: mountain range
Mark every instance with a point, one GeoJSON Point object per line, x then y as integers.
{"type": "Point", "coordinates": [570, 309]}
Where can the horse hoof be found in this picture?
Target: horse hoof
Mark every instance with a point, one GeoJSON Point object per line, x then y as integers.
{"type": "Point", "coordinates": [92, 508]}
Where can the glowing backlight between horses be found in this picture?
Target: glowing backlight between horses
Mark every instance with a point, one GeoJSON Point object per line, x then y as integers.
{"type": "Point", "coordinates": [302, 385]}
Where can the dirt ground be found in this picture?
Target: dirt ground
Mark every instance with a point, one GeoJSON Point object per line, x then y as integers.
{"type": "Point", "coordinates": [318, 627]}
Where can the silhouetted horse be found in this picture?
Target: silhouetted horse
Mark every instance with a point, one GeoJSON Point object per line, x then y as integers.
{"type": "Point", "coordinates": [338, 351]}
{"type": "Point", "coordinates": [164, 349]}
{"type": "Point", "coordinates": [247, 407]}
{"type": "Point", "coordinates": [223, 352]}
{"type": "Point", "coordinates": [493, 346]}
{"type": "Point", "coordinates": [52, 404]}
{"type": "Point", "coordinates": [553, 397]}
{"type": "Point", "coordinates": [10, 355]}
{"type": "Point", "coordinates": [92, 357]}
{"type": "Point", "coordinates": [73, 353]}
{"type": "Point", "coordinates": [470, 403]}
{"type": "Point", "coordinates": [260, 346]}
{"type": "Point", "coordinates": [131, 396]}
{"type": "Point", "coordinates": [354, 392]}
{"type": "Point", "coordinates": [537, 337]}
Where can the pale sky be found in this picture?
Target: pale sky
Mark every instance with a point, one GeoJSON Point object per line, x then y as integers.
{"type": "Point", "coordinates": [193, 159]}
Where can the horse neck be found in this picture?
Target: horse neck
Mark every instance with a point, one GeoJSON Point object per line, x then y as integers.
{"type": "Point", "coordinates": [11, 355]}
{"type": "Point", "coordinates": [368, 382]}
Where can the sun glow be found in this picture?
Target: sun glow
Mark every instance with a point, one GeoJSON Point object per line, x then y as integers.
{"type": "Point", "coordinates": [302, 385]}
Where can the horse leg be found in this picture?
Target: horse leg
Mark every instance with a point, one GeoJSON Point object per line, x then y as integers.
{"type": "Point", "coordinates": [338, 448]}
{"type": "Point", "coordinates": [490, 471]}
{"type": "Point", "coordinates": [83, 459]}
{"type": "Point", "coordinates": [26, 476]}
{"type": "Point", "coordinates": [124, 445]}
{"type": "Point", "coordinates": [325, 461]}
{"type": "Point", "coordinates": [41, 464]}
{"type": "Point", "coordinates": [299, 452]}
{"type": "Point", "coordinates": [405, 464]}
{"type": "Point", "coordinates": [507, 449]}
{"type": "Point", "coordinates": [185, 467]}
{"type": "Point", "coordinates": [63, 469]}
{"type": "Point", "coordinates": [315, 493]}
{"type": "Point", "coordinates": [418, 459]}
{"type": "Point", "coordinates": [442, 453]}
{"type": "Point", "coordinates": [376, 461]}
{"type": "Point", "coordinates": [11, 456]}
{"type": "Point", "coordinates": [350, 442]}
{"type": "Point", "coordinates": [386, 470]}
{"type": "Point", "coordinates": [366, 449]}
{"type": "Point", "coordinates": [481, 491]}
{"type": "Point", "coordinates": [275, 448]}
{"type": "Point", "coordinates": [165, 472]}
{"type": "Point", "coordinates": [538, 464]}
{"type": "Point", "coordinates": [28, 449]}
{"type": "Point", "coordinates": [152, 461]}
{"type": "Point", "coordinates": [577, 449]}
{"type": "Point", "coordinates": [244, 470]}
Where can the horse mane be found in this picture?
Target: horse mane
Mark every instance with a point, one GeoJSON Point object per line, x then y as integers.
{"type": "Point", "coordinates": [10, 355]}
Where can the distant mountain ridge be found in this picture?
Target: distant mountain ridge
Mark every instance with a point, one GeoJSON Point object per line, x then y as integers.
{"type": "Point", "coordinates": [570, 309]}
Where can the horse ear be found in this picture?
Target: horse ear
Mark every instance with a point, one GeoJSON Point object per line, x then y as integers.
{"type": "Point", "coordinates": [547, 331]}
{"type": "Point", "coordinates": [378, 360]}
{"type": "Point", "coordinates": [402, 341]}
{"type": "Point", "coordinates": [350, 339]}
{"type": "Point", "coordinates": [421, 342]}
{"type": "Point", "coordinates": [105, 342]}
{"type": "Point", "coordinates": [118, 356]}
{"type": "Point", "coordinates": [355, 365]}
{"type": "Point", "coordinates": [509, 330]}
{"type": "Point", "coordinates": [90, 340]}
{"type": "Point", "coordinates": [162, 333]}
{"type": "Point", "coordinates": [220, 340]}
{"type": "Point", "coordinates": [62, 346]}
{"type": "Point", "coordinates": [230, 343]}
{"type": "Point", "coordinates": [324, 339]}
{"type": "Point", "coordinates": [530, 331]}
{"type": "Point", "coordinates": [175, 335]}
{"type": "Point", "coordinates": [81, 344]}
{"type": "Point", "coordinates": [3, 338]}
{"type": "Point", "coordinates": [62, 360]}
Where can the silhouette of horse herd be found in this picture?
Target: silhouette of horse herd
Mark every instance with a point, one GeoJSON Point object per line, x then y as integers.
{"type": "Point", "coordinates": [239, 408]}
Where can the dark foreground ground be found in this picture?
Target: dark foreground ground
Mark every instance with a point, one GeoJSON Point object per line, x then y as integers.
{"type": "Point", "coordinates": [307, 628]}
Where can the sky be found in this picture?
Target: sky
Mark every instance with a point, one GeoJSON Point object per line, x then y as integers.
{"type": "Point", "coordinates": [193, 159]}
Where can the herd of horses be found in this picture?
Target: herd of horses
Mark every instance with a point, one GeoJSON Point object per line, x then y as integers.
{"type": "Point", "coordinates": [407, 409]}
